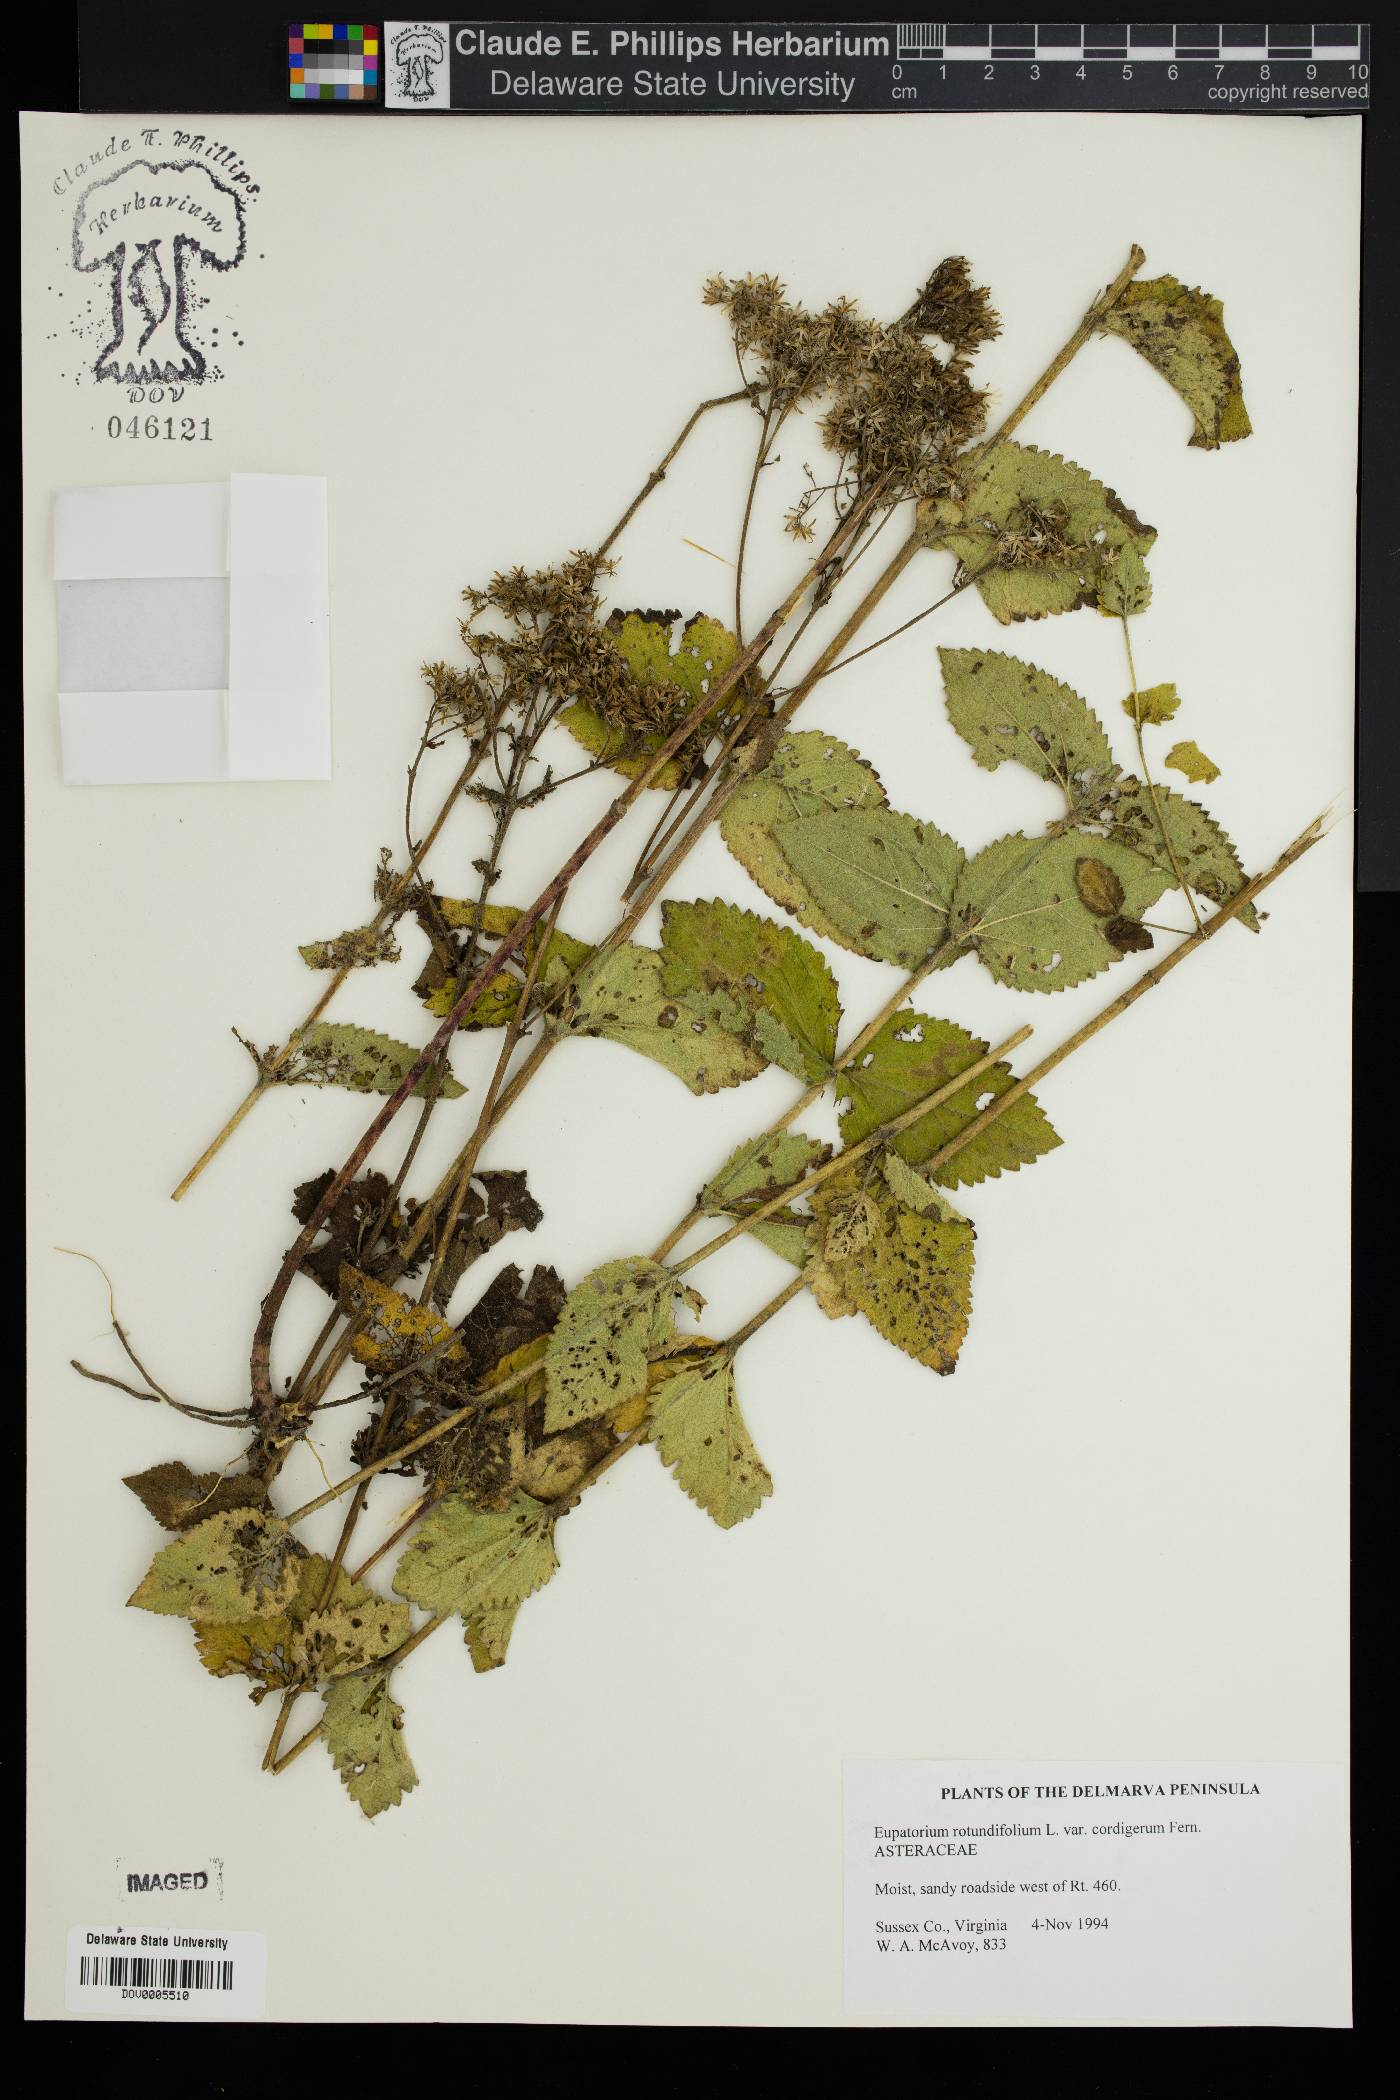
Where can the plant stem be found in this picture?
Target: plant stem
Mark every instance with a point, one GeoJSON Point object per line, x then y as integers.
{"type": "Point", "coordinates": [944, 952]}
{"type": "Point", "coordinates": [266, 1078]}
{"type": "Point", "coordinates": [765, 439]}
{"type": "Point", "coordinates": [1150, 978]}
{"type": "Point", "coordinates": [386, 1663]}
{"type": "Point", "coordinates": [658, 472]}
{"type": "Point", "coordinates": [276, 1058]}
{"type": "Point", "coordinates": [1075, 343]}
{"type": "Point", "coordinates": [276, 1421]}
{"type": "Point", "coordinates": [1182, 884]}
{"type": "Point", "coordinates": [850, 1153]}
{"type": "Point", "coordinates": [405, 1524]}
{"type": "Point", "coordinates": [1146, 983]}
{"type": "Point", "coordinates": [263, 1399]}
{"type": "Point", "coordinates": [471, 1152]}
{"type": "Point", "coordinates": [766, 1313]}
{"type": "Point", "coordinates": [491, 1395]}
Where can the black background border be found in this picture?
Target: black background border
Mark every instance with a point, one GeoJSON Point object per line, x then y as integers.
{"type": "Point", "coordinates": [146, 53]}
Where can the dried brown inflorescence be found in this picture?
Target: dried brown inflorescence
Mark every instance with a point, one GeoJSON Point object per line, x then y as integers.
{"type": "Point", "coordinates": [524, 636]}
{"type": "Point", "coordinates": [900, 407]}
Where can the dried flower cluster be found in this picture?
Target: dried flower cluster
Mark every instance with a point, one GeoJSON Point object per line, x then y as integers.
{"type": "Point", "coordinates": [899, 408]}
{"type": "Point", "coordinates": [525, 629]}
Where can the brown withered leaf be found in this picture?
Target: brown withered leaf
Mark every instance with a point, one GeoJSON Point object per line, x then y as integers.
{"type": "Point", "coordinates": [347, 1234]}
{"type": "Point", "coordinates": [368, 1444]}
{"type": "Point", "coordinates": [509, 1313]}
{"type": "Point", "coordinates": [1127, 936]}
{"type": "Point", "coordinates": [478, 1459]}
{"type": "Point", "coordinates": [1099, 887]}
{"type": "Point", "coordinates": [497, 1202]}
{"type": "Point", "coordinates": [359, 948]}
{"type": "Point", "coordinates": [177, 1497]}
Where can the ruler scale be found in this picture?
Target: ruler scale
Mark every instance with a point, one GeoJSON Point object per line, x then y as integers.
{"type": "Point", "coordinates": [1047, 42]}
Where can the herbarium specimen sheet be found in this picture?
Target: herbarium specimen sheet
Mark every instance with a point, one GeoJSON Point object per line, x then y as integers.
{"type": "Point", "coordinates": [876, 596]}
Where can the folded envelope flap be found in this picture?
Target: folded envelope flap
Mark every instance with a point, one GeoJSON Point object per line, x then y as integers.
{"type": "Point", "coordinates": [279, 629]}
{"type": "Point", "coordinates": [169, 530]}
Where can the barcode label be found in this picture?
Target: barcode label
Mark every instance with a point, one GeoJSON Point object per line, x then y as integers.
{"type": "Point", "coordinates": [145, 1972]}
{"type": "Point", "coordinates": [156, 1972]}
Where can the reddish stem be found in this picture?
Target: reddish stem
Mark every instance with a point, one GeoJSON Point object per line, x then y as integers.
{"type": "Point", "coordinates": [277, 1423]}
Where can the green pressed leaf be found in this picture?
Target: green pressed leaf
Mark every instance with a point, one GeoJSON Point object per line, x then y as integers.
{"type": "Point", "coordinates": [915, 1055]}
{"type": "Point", "coordinates": [911, 1189]}
{"type": "Point", "coordinates": [1188, 758]}
{"type": "Point", "coordinates": [1208, 861]}
{"type": "Point", "coordinates": [488, 1635]}
{"type": "Point", "coordinates": [759, 1170]}
{"type": "Point", "coordinates": [1005, 708]}
{"type": "Point", "coordinates": [177, 1497]}
{"type": "Point", "coordinates": [622, 997]}
{"type": "Point", "coordinates": [472, 1560]}
{"type": "Point", "coordinates": [705, 652]}
{"type": "Point", "coordinates": [1180, 330]}
{"type": "Point", "coordinates": [808, 775]}
{"type": "Point", "coordinates": [1156, 703]}
{"type": "Point", "coordinates": [363, 1728]}
{"type": "Point", "coordinates": [240, 1565]}
{"type": "Point", "coordinates": [604, 1338]}
{"type": "Point", "coordinates": [700, 1433]}
{"type": "Point", "coordinates": [1033, 929]}
{"type": "Point", "coordinates": [265, 1648]}
{"type": "Point", "coordinates": [909, 1274]}
{"type": "Point", "coordinates": [331, 1625]}
{"type": "Point", "coordinates": [883, 881]}
{"type": "Point", "coordinates": [335, 1053]}
{"type": "Point", "coordinates": [351, 1631]}
{"type": "Point", "coordinates": [758, 980]}
{"type": "Point", "coordinates": [358, 949]}
{"type": "Point", "coordinates": [787, 1235]}
{"type": "Point", "coordinates": [1037, 533]}
{"type": "Point", "coordinates": [1124, 586]}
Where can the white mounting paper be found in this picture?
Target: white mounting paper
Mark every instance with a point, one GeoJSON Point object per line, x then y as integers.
{"type": "Point", "coordinates": [194, 631]}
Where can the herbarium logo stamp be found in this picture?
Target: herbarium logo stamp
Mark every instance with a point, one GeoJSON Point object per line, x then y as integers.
{"type": "Point", "coordinates": [158, 225]}
{"type": "Point", "coordinates": [418, 64]}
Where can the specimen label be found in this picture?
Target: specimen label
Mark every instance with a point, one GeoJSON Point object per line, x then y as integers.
{"type": "Point", "coordinates": [1090, 1892]}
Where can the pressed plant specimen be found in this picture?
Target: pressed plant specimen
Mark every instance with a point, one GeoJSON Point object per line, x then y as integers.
{"type": "Point", "coordinates": [504, 1415]}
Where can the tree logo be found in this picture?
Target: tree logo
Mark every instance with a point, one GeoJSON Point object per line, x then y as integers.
{"type": "Point", "coordinates": [417, 52]}
{"type": "Point", "coordinates": [154, 225]}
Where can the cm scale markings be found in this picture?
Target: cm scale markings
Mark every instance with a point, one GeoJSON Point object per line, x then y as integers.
{"type": "Point", "coordinates": [1309, 67]}
{"type": "Point", "coordinates": [1104, 41]}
